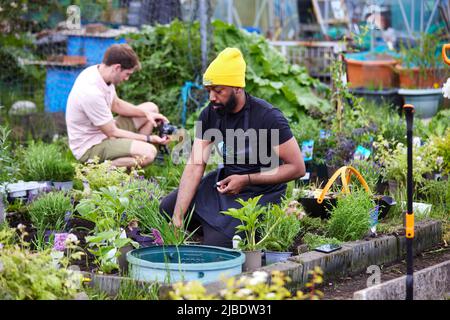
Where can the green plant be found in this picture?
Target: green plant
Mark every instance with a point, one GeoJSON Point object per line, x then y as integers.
{"type": "Point", "coordinates": [170, 55]}
{"type": "Point", "coordinates": [442, 145]}
{"type": "Point", "coordinates": [144, 207]}
{"type": "Point", "coordinates": [48, 210]}
{"type": "Point", "coordinates": [26, 275]}
{"type": "Point", "coordinates": [167, 175]}
{"type": "Point", "coordinates": [314, 240]}
{"type": "Point", "coordinates": [8, 167]}
{"type": "Point", "coordinates": [350, 218]}
{"type": "Point", "coordinates": [105, 246]}
{"type": "Point", "coordinates": [45, 162]}
{"type": "Point", "coordinates": [250, 215]}
{"type": "Point", "coordinates": [106, 208]}
{"type": "Point", "coordinates": [100, 175]}
{"type": "Point", "coordinates": [369, 171]}
{"type": "Point", "coordinates": [256, 287]}
{"type": "Point", "coordinates": [425, 55]}
{"type": "Point", "coordinates": [393, 160]}
{"type": "Point", "coordinates": [287, 227]}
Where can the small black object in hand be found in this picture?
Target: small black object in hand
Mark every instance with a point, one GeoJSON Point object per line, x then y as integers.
{"type": "Point", "coordinates": [166, 129]}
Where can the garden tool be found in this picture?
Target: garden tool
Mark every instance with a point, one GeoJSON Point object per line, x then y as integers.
{"type": "Point", "coordinates": [446, 87]}
{"type": "Point", "coordinates": [409, 216]}
{"type": "Point", "coordinates": [444, 53]}
{"type": "Point", "coordinates": [319, 202]}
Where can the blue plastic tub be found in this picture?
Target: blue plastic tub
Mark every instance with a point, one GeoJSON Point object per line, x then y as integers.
{"type": "Point", "coordinates": [171, 264]}
{"type": "Point", "coordinates": [93, 48]}
{"type": "Point", "coordinates": [58, 83]}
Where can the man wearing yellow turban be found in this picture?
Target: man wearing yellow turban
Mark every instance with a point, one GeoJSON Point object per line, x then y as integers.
{"type": "Point", "coordinates": [244, 130]}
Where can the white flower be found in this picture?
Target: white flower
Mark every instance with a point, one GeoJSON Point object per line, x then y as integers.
{"type": "Point", "coordinates": [270, 295]}
{"type": "Point", "coordinates": [244, 292]}
{"type": "Point", "coordinates": [71, 239]}
{"type": "Point", "coordinates": [446, 89]}
{"type": "Point", "coordinates": [439, 161]}
{"type": "Point", "coordinates": [258, 277]}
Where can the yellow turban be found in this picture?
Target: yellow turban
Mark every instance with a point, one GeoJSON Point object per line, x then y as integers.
{"type": "Point", "coordinates": [228, 69]}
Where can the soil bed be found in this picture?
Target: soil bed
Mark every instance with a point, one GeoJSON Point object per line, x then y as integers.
{"type": "Point", "coordinates": [343, 288]}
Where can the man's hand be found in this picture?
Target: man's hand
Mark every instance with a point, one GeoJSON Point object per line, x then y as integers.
{"type": "Point", "coordinates": [233, 184]}
{"type": "Point", "coordinates": [154, 139]}
{"type": "Point", "coordinates": [155, 118]}
{"type": "Point", "coordinates": [177, 220]}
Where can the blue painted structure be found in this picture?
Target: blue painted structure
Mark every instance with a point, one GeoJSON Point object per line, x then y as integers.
{"type": "Point", "coordinates": [58, 83]}
{"type": "Point", "coordinates": [60, 79]}
{"type": "Point", "coordinates": [93, 48]}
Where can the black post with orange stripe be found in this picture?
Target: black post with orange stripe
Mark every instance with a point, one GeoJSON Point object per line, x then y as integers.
{"type": "Point", "coordinates": [409, 216]}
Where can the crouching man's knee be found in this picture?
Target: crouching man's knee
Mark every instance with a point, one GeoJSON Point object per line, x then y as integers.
{"type": "Point", "coordinates": [144, 151]}
{"type": "Point", "coordinates": [149, 106]}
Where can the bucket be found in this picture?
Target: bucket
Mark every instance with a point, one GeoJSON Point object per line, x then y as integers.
{"type": "Point", "coordinates": [171, 264]}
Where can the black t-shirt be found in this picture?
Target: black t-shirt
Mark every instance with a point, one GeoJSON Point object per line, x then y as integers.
{"type": "Point", "coordinates": [264, 126]}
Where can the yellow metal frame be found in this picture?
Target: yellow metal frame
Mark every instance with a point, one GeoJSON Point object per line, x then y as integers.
{"type": "Point", "coordinates": [345, 173]}
{"type": "Point", "coordinates": [444, 53]}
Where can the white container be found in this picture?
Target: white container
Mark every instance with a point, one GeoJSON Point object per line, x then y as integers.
{"type": "Point", "coordinates": [420, 209]}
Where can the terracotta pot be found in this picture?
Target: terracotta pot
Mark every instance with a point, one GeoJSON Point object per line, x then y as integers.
{"type": "Point", "coordinates": [415, 78]}
{"type": "Point", "coordinates": [371, 74]}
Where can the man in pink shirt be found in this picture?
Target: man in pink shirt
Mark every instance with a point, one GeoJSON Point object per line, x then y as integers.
{"type": "Point", "coordinates": [91, 127]}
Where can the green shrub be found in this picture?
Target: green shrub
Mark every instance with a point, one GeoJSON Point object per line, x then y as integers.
{"type": "Point", "coordinates": [45, 162]}
{"type": "Point", "coordinates": [48, 211]}
{"type": "Point", "coordinates": [170, 55]}
{"type": "Point", "coordinates": [283, 234]}
{"type": "Point", "coordinates": [100, 175]}
{"type": "Point", "coordinates": [8, 167]}
{"type": "Point", "coordinates": [350, 218]}
{"type": "Point", "coordinates": [144, 207]}
{"type": "Point", "coordinates": [26, 275]}
{"type": "Point", "coordinates": [314, 240]}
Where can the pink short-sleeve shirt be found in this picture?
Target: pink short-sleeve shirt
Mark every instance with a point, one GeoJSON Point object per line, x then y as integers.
{"type": "Point", "coordinates": [88, 107]}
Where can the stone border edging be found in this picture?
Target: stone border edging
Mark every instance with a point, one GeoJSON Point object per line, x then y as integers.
{"type": "Point", "coordinates": [354, 257]}
{"type": "Point", "coordinates": [432, 283]}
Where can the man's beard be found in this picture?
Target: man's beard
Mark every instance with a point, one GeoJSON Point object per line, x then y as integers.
{"type": "Point", "coordinates": [228, 107]}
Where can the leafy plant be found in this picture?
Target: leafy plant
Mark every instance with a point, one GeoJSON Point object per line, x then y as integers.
{"type": "Point", "coordinates": [287, 226]}
{"type": "Point", "coordinates": [350, 218]}
{"type": "Point", "coordinates": [105, 246]}
{"type": "Point", "coordinates": [258, 286]}
{"type": "Point", "coordinates": [391, 156]}
{"type": "Point", "coordinates": [48, 210]}
{"type": "Point", "coordinates": [170, 55]}
{"type": "Point", "coordinates": [106, 208]}
{"type": "Point", "coordinates": [144, 207]}
{"type": "Point", "coordinates": [26, 275]}
{"type": "Point", "coordinates": [167, 175]}
{"type": "Point", "coordinates": [314, 240]}
{"type": "Point", "coordinates": [45, 162]}
{"type": "Point", "coordinates": [8, 167]}
{"type": "Point", "coordinates": [100, 175]}
{"type": "Point", "coordinates": [250, 215]}
{"type": "Point", "coordinates": [426, 56]}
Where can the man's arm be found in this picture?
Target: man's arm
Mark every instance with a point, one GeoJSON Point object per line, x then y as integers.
{"type": "Point", "coordinates": [292, 168]}
{"type": "Point", "coordinates": [192, 174]}
{"type": "Point", "coordinates": [126, 109]}
{"type": "Point", "coordinates": [112, 131]}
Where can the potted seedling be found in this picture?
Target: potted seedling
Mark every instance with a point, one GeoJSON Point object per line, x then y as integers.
{"type": "Point", "coordinates": [250, 215]}
{"type": "Point", "coordinates": [63, 179]}
{"type": "Point", "coordinates": [422, 74]}
{"type": "Point", "coordinates": [283, 234]}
